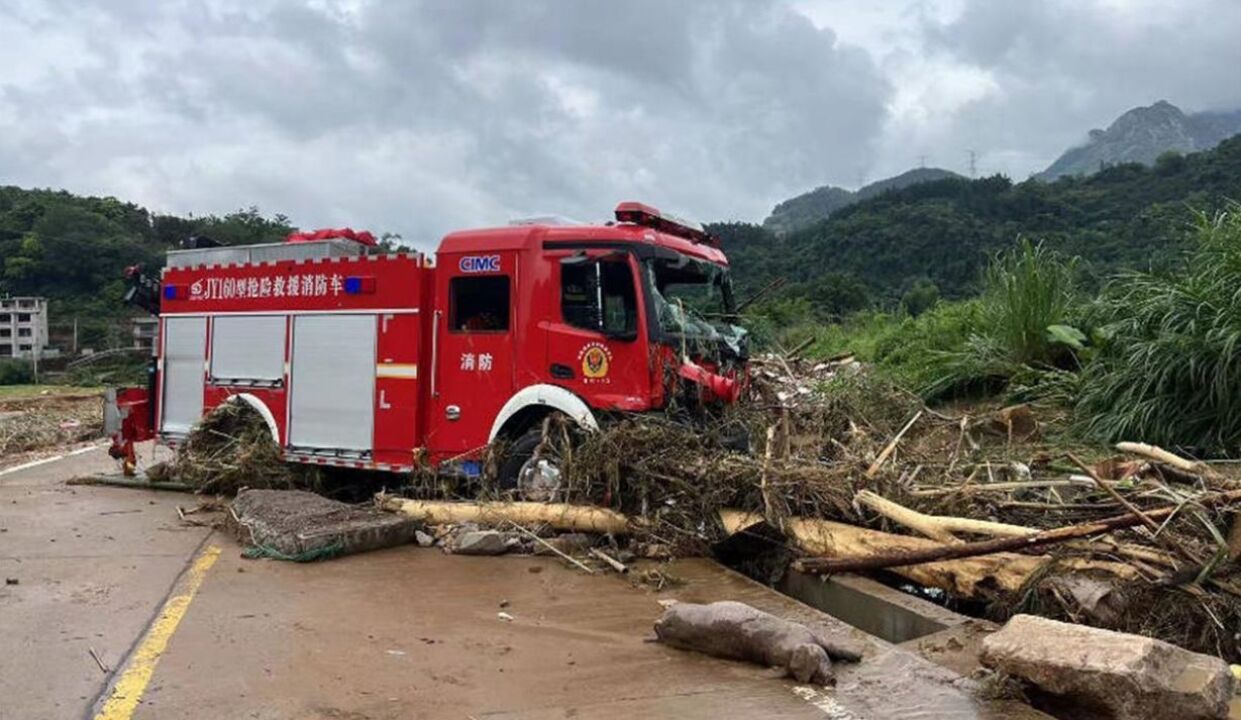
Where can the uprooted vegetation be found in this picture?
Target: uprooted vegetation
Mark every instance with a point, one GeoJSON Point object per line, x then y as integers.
{"type": "Point", "coordinates": [839, 455]}
{"type": "Point", "coordinates": [44, 421]}
{"type": "Point", "coordinates": [229, 449]}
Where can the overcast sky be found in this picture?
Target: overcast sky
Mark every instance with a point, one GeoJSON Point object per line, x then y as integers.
{"type": "Point", "coordinates": [421, 117]}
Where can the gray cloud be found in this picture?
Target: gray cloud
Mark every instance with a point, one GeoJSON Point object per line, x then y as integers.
{"type": "Point", "coordinates": [419, 117]}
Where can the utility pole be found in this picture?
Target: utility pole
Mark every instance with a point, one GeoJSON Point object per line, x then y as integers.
{"type": "Point", "coordinates": [973, 164]}
{"type": "Point", "coordinates": [75, 336]}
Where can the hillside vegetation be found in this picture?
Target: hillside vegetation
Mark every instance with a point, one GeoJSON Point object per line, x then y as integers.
{"type": "Point", "coordinates": [809, 208]}
{"type": "Point", "coordinates": [1152, 356]}
{"type": "Point", "coordinates": [73, 250]}
{"type": "Point", "coordinates": [936, 238]}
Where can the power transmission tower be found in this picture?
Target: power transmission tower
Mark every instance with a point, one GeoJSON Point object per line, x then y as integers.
{"type": "Point", "coordinates": [922, 161]}
{"type": "Point", "coordinates": [973, 164]}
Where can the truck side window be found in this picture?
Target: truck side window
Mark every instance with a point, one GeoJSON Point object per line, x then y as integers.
{"type": "Point", "coordinates": [479, 303]}
{"type": "Point", "coordinates": [599, 296]}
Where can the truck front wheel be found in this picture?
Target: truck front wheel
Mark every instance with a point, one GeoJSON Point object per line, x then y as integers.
{"type": "Point", "coordinates": [531, 468]}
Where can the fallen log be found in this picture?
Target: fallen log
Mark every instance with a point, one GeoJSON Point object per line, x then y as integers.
{"type": "Point", "coordinates": [561, 516]}
{"type": "Point", "coordinates": [938, 527]}
{"type": "Point", "coordinates": [904, 557]}
{"type": "Point", "coordinates": [735, 630]}
{"type": "Point", "coordinates": [969, 577]}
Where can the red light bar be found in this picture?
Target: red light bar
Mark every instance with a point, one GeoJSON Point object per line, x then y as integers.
{"type": "Point", "coordinates": [363, 237]}
{"type": "Point", "coordinates": [647, 216]}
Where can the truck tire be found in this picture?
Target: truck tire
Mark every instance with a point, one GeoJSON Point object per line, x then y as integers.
{"type": "Point", "coordinates": [521, 475]}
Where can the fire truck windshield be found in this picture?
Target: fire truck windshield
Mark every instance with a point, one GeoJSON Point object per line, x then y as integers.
{"type": "Point", "coordinates": [692, 299]}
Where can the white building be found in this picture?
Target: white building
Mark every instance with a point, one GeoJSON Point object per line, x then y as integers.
{"type": "Point", "coordinates": [23, 326]}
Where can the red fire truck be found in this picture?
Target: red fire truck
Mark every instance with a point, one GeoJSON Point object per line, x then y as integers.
{"type": "Point", "coordinates": [360, 358]}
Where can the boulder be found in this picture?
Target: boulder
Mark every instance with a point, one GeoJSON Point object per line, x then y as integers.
{"type": "Point", "coordinates": [1129, 677]}
{"type": "Point", "coordinates": [480, 542]}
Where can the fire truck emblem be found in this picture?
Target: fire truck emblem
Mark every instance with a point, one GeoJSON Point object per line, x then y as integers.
{"type": "Point", "coordinates": [596, 360]}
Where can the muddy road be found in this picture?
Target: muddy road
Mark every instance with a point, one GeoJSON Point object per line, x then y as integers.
{"type": "Point", "coordinates": [187, 628]}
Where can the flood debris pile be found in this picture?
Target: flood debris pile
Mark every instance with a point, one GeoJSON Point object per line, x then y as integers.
{"type": "Point", "coordinates": [229, 449]}
{"type": "Point", "coordinates": [860, 472]}
{"type": "Point", "coordinates": [43, 422]}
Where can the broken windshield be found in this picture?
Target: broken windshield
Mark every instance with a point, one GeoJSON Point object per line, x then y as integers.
{"type": "Point", "coordinates": [689, 295]}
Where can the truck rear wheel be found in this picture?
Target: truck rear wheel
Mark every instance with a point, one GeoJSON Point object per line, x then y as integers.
{"type": "Point", "coordinates": [531, 467]}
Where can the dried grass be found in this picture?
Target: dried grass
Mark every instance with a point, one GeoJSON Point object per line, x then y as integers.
{"type": "Point", "coordinates": [230, 449]}
{"type": "Point", "coordinates": [43, 423]}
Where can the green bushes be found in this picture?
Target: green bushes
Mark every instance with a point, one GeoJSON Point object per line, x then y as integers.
{"type": "Point", "coordinates": [16, 372]}
{"type": "Point", "coordinates": [1170, 369]}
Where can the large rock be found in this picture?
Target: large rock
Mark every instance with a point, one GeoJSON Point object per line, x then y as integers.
{"type": "Point", "coordinates": [481, 542]}
{"type": "Point", "coordinates": [1129, 676]}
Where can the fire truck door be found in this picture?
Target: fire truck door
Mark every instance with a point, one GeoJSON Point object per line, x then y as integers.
{"type": "Point", "coordinates": [473, 377]}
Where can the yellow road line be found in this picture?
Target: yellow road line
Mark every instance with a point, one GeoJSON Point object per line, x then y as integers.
{"type": "Point", "coordinates": [127, 692]}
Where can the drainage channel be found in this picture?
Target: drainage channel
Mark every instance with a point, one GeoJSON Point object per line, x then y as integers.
{"type": "Point", "coordinates": [870, 606]}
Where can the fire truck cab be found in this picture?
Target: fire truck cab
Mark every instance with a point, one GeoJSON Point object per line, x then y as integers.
{"type": "Point", "coordinates": [385, 361]}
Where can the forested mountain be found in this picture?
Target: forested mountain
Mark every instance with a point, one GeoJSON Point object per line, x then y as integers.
{"type": "Point", "coordinates": [1143, 134]}
{"type": "Point", "coordinates": [74, 250]}
{"type": "Point", "coordinates": [927, 239]}
{"type": "Point", "coordinates": [818, 204]}
{"type": "Point", "coordinates": [943, 232]}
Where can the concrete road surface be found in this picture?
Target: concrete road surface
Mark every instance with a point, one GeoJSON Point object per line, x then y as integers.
{"type": "Point", "coordinates": [187, 628]}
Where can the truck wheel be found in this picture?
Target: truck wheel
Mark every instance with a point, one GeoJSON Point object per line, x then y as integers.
{"type": "Point", "coordinates": [536, 479]}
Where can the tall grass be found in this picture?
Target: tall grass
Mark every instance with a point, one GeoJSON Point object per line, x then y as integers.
{"type": "Point", "coordinates": [1027, 290]}
{"type": "Point", "coordinates": [1170, 372]}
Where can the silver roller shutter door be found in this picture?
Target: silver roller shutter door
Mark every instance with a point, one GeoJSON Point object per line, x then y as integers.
{"type": "Point", "coordinates": [332, 403]}
{"type": "Point", "coordinates": [185, 352]}
{"type": "Point", "coordinates": [248, 347]}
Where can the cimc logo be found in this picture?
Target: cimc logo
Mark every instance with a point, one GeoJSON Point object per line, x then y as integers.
{"type": "Point", "coordinates": [480, 263]}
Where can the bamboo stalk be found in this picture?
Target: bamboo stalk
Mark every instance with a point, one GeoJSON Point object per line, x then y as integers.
{"type": "Point", "coordinates": [1005, 486]}
{"type": "Point", "coordinates": [1133, 510]}
{"type": "Point", "coordinates": [589, 570]}
{"type": "Point", "coordinates": [891, 446]}
{"type": "Point", "coordinates": [1155, 452]}
{"type": "Point", "coordinates": [612, 562]}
